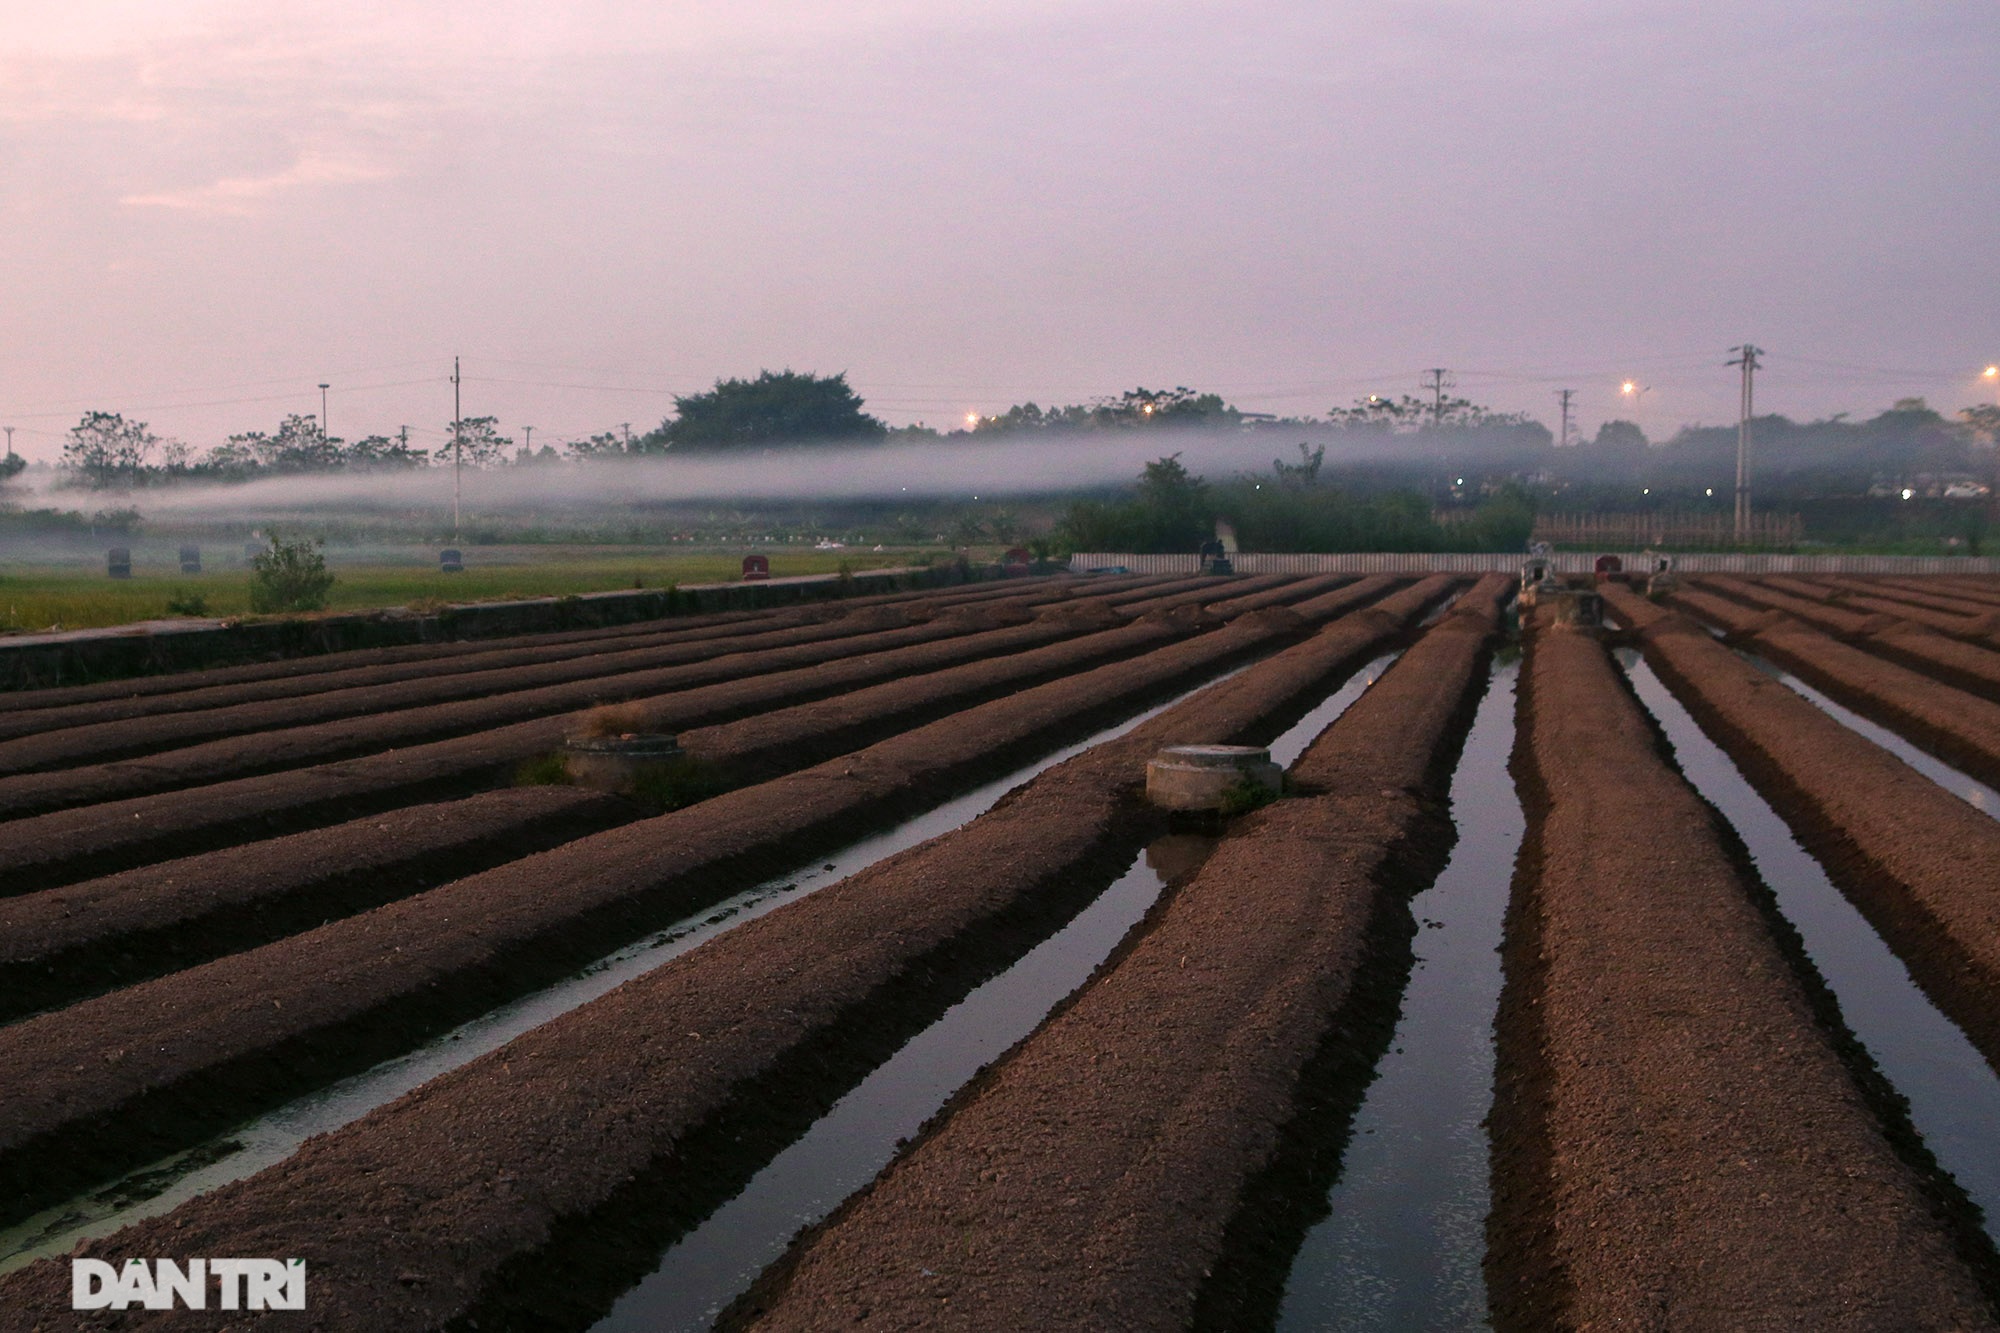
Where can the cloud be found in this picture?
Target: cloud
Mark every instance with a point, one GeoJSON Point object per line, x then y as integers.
{"type": "Point", "coordinates": [239, 195]}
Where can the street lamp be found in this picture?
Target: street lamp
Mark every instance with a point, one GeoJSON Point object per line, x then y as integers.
{"type": "Point", "coordinates": [1636, 393]}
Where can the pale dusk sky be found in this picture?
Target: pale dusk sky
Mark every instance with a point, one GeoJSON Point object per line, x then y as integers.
{"type": "Point", "coordinates": [211, 206]}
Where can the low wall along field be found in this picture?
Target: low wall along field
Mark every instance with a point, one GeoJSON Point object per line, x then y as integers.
{"type": "Point", "coordinates": [888, 999]}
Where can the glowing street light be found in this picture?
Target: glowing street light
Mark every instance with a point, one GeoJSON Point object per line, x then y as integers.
{"type": "Point", "coordinates": [971, 420]}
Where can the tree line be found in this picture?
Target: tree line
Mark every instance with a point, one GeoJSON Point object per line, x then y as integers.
{"type": "Point", "coordinates": [780, 409]}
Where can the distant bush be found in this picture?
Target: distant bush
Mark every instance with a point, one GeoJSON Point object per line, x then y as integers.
{"type": "Point", "coordinates": [289, 576]}
{"type": "Point", "coordinates": [187, 604]}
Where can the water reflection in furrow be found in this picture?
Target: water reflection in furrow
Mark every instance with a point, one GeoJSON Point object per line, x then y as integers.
{"type": "Point", "coordinates": [270, 1138]}
{"type": "Point", "coordinates": [1968, 789]}
{"type": "Point", "coordinates": [1404, 1240]}
{"type": "Point", "coordinates": [1953, 1094]}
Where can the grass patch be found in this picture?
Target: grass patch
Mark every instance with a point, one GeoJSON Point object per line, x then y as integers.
{"type": "Point", "coordinates": [78, 595]}
{"type": "Point", "coordinates": [1242, 797]}
{"type": "Point", "coordinates": [548, 770]}
{"type": "Point", "coordinates": [673, 783]}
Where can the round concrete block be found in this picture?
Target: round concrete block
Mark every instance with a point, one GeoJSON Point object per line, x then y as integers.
{"type": "Point", "coordinates": [609, 763]}
{"type": "Point", "coordinates": [1194, 777]}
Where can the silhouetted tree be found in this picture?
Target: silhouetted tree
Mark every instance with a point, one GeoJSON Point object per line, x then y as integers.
{"type": "Point", "coordinates": [105, 448]}
{"type": "Point", "coordinates": [775, 408]}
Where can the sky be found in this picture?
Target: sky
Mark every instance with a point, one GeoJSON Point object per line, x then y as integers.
{"type": "Point", "coordinates": [210, 207]}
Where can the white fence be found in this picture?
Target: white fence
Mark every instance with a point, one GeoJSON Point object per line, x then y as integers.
{"type": "Point", "coordinates": [1565, 562]}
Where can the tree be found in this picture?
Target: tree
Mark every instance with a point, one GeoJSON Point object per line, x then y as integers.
{"type": "Point", "coordinates": [380, 453]}
{"type": "Point", "coordinates": [1180, 406]}
{"type": "Point", "coordinates": [1174, 511]}
{"type": "Point", "coordinates": [104, 447]}
{"type": "Point", "coordinates": [602, 445]}
{"type": "Point", "coordinates": [1302, 474]}
{"type": "Point", "coordinates": [773, 409]}
{"type": "Point", "coordinates": [480, 441]}
{"type": "Point", "coordinates": [301, 445]}
{"type": "Point", "coordinates": [1619, 435]}
{"type": "Point", "coordinates": [289, 576]}
{"type": "Point", "coordinates": [1984, 420]}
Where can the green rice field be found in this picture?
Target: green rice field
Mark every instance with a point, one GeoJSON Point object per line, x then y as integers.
{"type": "Point", "coordinates": [70, 596]}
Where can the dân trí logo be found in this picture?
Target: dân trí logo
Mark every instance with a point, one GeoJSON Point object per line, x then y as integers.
{"type": "Point", "coordinates": [161, 1284]}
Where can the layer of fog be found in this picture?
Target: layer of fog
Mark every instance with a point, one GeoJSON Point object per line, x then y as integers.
{"type": "Point", "coordinates": [945, 470]}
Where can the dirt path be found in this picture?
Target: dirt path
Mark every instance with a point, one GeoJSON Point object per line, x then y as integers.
{"type": "Point", "coordinates": [1086, 1180]}
{"type": "Point", "coordinates": [407, 1215]}
{"type": "Point", "coordinates": [1678, 1144]}
{"type": "Point", "coordinates": [1922, 865]}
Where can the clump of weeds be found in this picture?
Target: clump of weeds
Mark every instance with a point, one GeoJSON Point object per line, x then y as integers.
{"type": "Point", "coordinates": [548, 770]}
{"type": "Point", "coordinates": [673, 783]}
{"type": "Point", "coordinates": [1242, 797]}
{"type": "Point", "coordinates": [613, 720]}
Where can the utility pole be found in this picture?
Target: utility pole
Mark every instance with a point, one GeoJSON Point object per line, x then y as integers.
{"type": "Point", "coordinates": [1746, 357]}
{"type": "Point", "coordinates": [1565, 395]}
{"type": "Point", "coordinates": [325, 436]}
{"type": "Point", "coordinates": [627, 426]}
{"type": "Point", "coordinates": [1437, 385]}
{"type": "Point", "coordinates": [528, 443]}
{"type": "Point", "coordinates": [456, 415]}
{"type": "Point", "coordinates": [10, 440]}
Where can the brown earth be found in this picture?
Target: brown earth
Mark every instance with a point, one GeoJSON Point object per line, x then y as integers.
{"type": "Point", "coordinates": [1956, 662]}
{"type": "Point", "coordinates": [304, 672]}
{"type": "Point", "coordinates": [1695, 1153]}
{"type": "Point", "coordinates": [405, 1215]}
{"type": "Point", "coordinates": [192, 1049]}
{"type": "Point", "coordinates": [194, 691]}
{"type": "Point", "coordinates": [115, 835]}
{"type": "Point", "coordinates": [1086, 1180]}
{"type": "Point", "coordinates": [82, 742]}
{"type": "Point", "coordinates": [64, 944]}
{"type": "Point", "coordinates": [1959, 728]}
{"type": "Point", "coordinates": [1919, 862]}
{"type": "Point", "coordinates": [288, 737]}
{"type": "Point", "coordinates": [1936, 595]}
{"type": "Point", "coordinates": [280, 745]}
{"type": "Point", "coordinates": [148, 921]}
{"type": "Point", "coordinates": [1977, 625]}
{"type": "Point", "coordinates": [107, 836]}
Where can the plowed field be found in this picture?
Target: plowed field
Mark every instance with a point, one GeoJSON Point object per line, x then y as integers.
{"type": "Point", "coordinates": [328, 961]}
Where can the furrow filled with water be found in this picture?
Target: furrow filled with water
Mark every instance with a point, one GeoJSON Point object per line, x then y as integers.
{"type": "Point", "coordinates": [1404, 1236]}
{"type": "Point", "coordinates": [1953, 1095]}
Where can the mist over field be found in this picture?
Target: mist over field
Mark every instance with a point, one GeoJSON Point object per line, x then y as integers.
{"type": "Point", "coordinates": [822, 471]}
